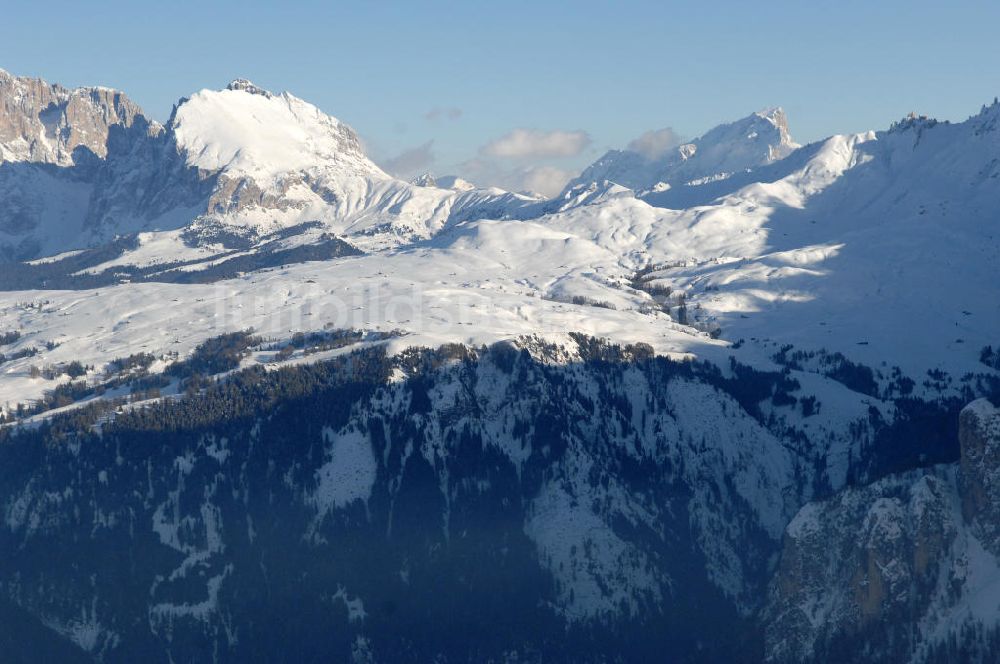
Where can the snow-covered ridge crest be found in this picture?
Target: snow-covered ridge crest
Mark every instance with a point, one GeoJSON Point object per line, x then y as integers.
{"type": "Point", "coordinates": [756, 140]}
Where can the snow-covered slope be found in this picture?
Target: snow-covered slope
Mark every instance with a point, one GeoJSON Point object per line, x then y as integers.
{"type": "Point", "coordinates": [881, 246]}
{"type": "Point", "coordinates": [888, 240]}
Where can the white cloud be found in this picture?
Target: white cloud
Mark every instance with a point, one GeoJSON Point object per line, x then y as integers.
{"type": "Point", "coordinates": [409, 162]}
{"type": "Point", "coordinates": [655, 143]}
{"type": "Point", "coordinates": [545, 180]}
{"type": "Point", "coordinates": [536, 143]}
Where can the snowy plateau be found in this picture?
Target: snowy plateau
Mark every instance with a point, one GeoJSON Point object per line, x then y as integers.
{"type": "Point", "coordinates": [263, 401]}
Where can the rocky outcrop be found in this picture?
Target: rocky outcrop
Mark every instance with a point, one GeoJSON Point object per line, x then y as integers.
{"type": "Point", "coordinates": [894, 569]}
{"type": "Point", "coordinates": [77, 166]}
{"type": "Point", "coordinates": [50, 124]}
{"type": "Point", "coordinates": [980, 472]}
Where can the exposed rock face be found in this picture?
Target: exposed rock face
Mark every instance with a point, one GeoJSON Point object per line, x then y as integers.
{"type": "Point", "coordinates": [248, 86]}
{"type": "Point", "coordinates": [424, 180]}
{"type": "Point", "coordinates": [45, 123]}
{"type": "Point", "coordinates": [76, 166]}
{"type": "Point", "coordinates": [980, 472]}
{"type": "Point", "coordinates": [897, 566]}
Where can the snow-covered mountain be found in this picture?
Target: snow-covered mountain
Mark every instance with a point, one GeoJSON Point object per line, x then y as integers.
{"type": "Point", "coordinates": [236, 163]}
{"type": "Point", "coordinates": [758, 139]}
{"type": "Point", "coordinates": [819, 316]}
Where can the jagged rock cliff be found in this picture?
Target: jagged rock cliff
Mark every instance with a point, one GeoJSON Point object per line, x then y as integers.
{"type": "Point", "coordinates": [905, 569]}
{"type": "Point", "coordinates": [50, 124]}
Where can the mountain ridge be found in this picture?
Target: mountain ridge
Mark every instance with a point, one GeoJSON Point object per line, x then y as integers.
{"type": "Point", "coordinates": [276, 371]}
{"type": "Point", "coordinates": [242, 159]}
{"type": "Point", "coordinates": [752, 141]}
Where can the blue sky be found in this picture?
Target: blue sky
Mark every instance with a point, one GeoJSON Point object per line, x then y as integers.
{"type": "Point", "coordinates": [444, 79]}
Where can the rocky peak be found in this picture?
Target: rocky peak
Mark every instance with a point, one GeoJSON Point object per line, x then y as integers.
{"type": "Point", "coordinates": [988, 118]}
{"type": "Point", "coordinates": [47, 123]}
{"type": "Point", "coordinates": [776, 117]}
{"type": "Point", "coordinates": [747, 143]}
{"type": "Point", "coordinates": [424, 180]}
{"type": "Point", "coordinates": [245, 85]}
{"type": "Point", "coordinates": [751, 141]}
{"type": "Point", "coordinates": [912, 121]}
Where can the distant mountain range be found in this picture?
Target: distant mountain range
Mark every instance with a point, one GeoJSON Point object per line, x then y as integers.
{"type": "Point", "coordinates": [728, 400]}
{"type": "Point", "coordinates": [728, 149]}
